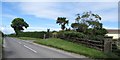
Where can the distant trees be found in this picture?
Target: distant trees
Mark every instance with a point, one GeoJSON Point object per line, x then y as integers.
{"type": "Point", "coordinates": [62, 21]}
{"type": "Point", "coordinates": [18, 25]}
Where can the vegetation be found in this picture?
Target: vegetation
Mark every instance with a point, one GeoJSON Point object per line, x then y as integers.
{"type": "Point", "coordinates": [86, 26]}
{"type": "Point", "coordinates": [1, 37]}
{"type": "Point", "coordinates": [0, 41]}
{"type": "Point", "coordinates": [31, 34]}
{"type": "Point", "coordinates": [62, 21]}
{"type": "Point", "coordinates": [18, 24]}
{"type": "Point", "coordinates": [89, 22]}
{"type": "Point", "coordinates": [27, 38]}
{"type": "Point", "coordinates": [74, 34]}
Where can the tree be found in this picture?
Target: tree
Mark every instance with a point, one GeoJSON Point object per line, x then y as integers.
{"type": "Point", "coordinates": [18, 25]}
{"type": "Point", "coordinates": [77, 18]}
{"type": "Point", "coordinates": [62, 21]}
{"type": "Point", "coordinates": [75, 25]}
{"type": "Point", "coordinates": [79, 24]}
{"type": "Point", "coordinates": [88, 21]}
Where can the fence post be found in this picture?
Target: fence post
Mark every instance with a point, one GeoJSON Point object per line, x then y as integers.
{"type": "Point", "coordinates": [108, 44]}
{"type": "Point", "coordinates": [44, 36]}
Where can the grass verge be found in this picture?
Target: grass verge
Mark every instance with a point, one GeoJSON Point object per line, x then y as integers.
{"type": "Point", "coordinates": [27, 38]}
{"type": "Point", "coordinates": [0, 41]}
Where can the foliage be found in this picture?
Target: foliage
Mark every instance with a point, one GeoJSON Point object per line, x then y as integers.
{"type": "Point", "coordinates": [18, 24]}
{"type": "Point", "coordinates": [31, 34]}
{"type": "Point", "coordinates": [62, 21]}
{"type": "Point", "coordinates": [74, 34]}
{"type": "Point", "coordinates": [69, 34]}
{"type": "Point", "coordinates": [88, 23]}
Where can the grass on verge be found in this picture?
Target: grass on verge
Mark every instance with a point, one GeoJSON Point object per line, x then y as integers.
{"type": "Point", "coordinates": [71, 47]}
{"type": "Point", "coordinates": [27, 38]}
{"type": "Point", "coordinates": [0, 41]}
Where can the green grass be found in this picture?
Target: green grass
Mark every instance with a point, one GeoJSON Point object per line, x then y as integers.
{"type": "Point", "coordinates": [71, 47]}
{"type": "Point", "coordinates": [0, 41]}
{"type": "Point", "coordinates": [27, 38]}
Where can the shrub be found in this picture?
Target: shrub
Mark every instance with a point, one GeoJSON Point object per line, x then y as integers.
{"type": "Point", "coordinates": [30, 34]}
{"type": "Point", "coordinates": [68, 34]}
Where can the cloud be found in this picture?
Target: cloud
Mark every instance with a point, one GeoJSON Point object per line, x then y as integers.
{"type": "Point", "coordinates": [42, 10]}
{"type": "Point", "coordinates": [7, 30]}
{"type": "Point", "coordinates": [69, 9]}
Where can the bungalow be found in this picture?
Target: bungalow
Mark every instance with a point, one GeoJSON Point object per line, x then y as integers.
{"type": "Point", "coordinates": [114, 33]}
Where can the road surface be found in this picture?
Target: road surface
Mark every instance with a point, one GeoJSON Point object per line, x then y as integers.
{"type": "Point", "coordinates": [14, 48]}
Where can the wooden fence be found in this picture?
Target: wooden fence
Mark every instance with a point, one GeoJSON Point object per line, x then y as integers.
{"type": "Point", "coordinates": [105, 45]}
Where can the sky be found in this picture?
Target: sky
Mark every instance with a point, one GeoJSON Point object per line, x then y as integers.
{"type": "Point", "coordinates": [42, 15]}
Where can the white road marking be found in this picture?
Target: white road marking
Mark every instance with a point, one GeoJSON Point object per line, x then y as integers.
{"type": "Point", "coordinates": [30, 48]}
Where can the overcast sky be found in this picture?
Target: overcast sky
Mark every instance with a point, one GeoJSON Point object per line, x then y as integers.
{"type": "Point", "coordinates": [43, 14]}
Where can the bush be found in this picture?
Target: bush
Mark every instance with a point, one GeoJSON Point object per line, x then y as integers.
{"type": "Point", "coordinates": [68, 34]}
{"type": "Point", "coordinates": [30, 34]}
{"type": "Point", "coordinates": [101, 31]}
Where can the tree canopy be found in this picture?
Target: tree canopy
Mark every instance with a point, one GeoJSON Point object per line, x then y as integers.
{"type": "Point", "coordinates": [18, 25]}
{"type": "Point", "coordinates": [89, 21]}
{"type": "Point", "coordinates": [62, 21]}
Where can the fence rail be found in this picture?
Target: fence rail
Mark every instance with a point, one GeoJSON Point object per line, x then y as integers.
{"type": "Point", "coordinates": [99, 45]}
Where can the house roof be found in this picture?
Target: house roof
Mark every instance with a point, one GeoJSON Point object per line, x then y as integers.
{"type": "Point", "coordinates": [113, 31]}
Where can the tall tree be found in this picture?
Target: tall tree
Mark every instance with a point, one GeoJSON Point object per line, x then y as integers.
{"type": "Point", "coordinates": [62, 21]}
{"type": "Point", "coordinates": [88, 20]}
{"type": "Point", "coordinates": [79, 24]}
{"type": "Point", "coordinates": [77, 19]}
{"type": "Point", "coordinates": [18, 25]}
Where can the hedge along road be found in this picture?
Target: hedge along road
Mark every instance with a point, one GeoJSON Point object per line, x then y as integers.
{"type": "Point", "coordinates": [14, 48]}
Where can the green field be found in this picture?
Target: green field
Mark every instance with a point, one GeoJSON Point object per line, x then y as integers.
{"type": "Point", "coordinates": [27, 38]}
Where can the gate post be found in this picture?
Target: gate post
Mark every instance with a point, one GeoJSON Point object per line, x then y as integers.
{"type": "Point", "coordinates": [108, 44]}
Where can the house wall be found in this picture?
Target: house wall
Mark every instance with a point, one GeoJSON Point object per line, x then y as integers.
{"type": "Point", "coordinates": [115, 36]}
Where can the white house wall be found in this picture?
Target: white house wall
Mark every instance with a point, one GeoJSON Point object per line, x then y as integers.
{"type": "Point", "coordinates": [115, 36]}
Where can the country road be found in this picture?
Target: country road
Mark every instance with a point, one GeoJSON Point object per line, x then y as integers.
{"type": "Point", "coordinates": [14, 48]}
